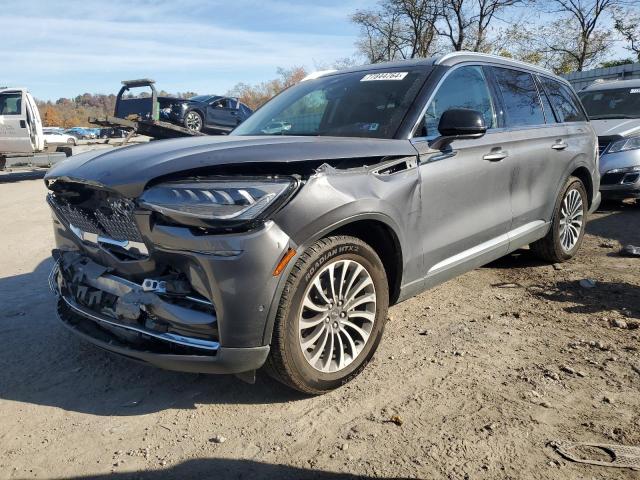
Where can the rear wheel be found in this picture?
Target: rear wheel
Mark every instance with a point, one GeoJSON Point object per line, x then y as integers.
{"type": "Point", "coordinates": [568, 225]}
{"type": "Point", "coordinates": [193, 121]}
{"type": "Point", "coordinates": [331, 316]}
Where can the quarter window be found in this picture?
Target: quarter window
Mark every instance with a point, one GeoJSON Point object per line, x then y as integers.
{"type": "Point", "coordinates": [520, 97]}
{"type": "Point", "coordinates": [563, 100]}
{"type": "Point", "coordinates": [465, 87]}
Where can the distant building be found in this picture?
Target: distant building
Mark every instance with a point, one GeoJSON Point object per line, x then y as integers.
{"type": "Point", "coordinates": [579, 80]}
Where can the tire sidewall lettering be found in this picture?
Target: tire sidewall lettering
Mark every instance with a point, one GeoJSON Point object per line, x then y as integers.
{"type": "Point", "coordinates": [324, 258]}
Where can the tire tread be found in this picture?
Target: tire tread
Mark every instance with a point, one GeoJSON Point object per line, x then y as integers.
{"type": "Point", "coordinates": [278, 365]}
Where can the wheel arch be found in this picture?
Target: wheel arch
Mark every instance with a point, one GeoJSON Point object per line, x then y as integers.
{"type": "Point", "coordinates": [584, 175]}
{"type": "Point", "coordinates": [374, 229]}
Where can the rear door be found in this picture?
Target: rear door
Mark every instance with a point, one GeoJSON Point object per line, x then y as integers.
{"type": "Point", "coordinates": [535, 143]}
{"type": "Point", "coordinates": [579, 137]}
{"type": "Point", "coordinates": [465, 190]}
{"type": "Point", "coordinates": [14, 129]}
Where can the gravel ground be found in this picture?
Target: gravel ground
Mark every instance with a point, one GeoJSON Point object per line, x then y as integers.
{"type": "Point", "coordinates": [473, 379]}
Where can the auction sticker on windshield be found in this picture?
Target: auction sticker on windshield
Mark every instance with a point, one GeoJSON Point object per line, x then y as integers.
{"type": "Point", "coordinates": [384, 76]}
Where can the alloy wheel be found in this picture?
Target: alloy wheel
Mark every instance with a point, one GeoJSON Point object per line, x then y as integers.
{"type": "Point", "coordinates": [571, 219]}
{"type": "Point", "coordinates": [193, 121]}
{"type": "Point", "coordinates": [337, 315]}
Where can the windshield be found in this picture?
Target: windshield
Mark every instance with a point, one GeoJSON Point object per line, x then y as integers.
{"type": "Point", "coordinates": [357, 104]}
{"type": "Point", "coordinates": [614, 103]}
{"type": "Point", "coordinates": [10, 103]}
{"type": "Point", "coordinates": [201, 98]}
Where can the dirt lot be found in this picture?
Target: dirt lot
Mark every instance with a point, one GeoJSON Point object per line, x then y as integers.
{"type": "Point", "coordinates": [483, 372]}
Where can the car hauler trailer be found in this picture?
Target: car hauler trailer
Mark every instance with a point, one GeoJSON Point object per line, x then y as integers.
{"type": "Point", "coordinates": [141, 114]}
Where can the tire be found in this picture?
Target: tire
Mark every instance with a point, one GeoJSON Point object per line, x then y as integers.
{"type": "Point", "coordinates": [312, 370]}
{"type": "Point", "coordinates": [193, 121]}
{"type": "Point", "coordinates": [71, 141]}
{"type": "Point", "coordinates": [562, 243]}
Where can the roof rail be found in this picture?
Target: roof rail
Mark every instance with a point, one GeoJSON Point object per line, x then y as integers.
{"type": "Point", "coordinates": [487, 56]}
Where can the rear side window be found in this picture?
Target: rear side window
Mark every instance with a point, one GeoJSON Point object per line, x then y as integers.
{"type": "Point", "coordinates": [10, 103]}
{"type": "Point", "coordinates": [465, 87]}
{"type": "Point", "coordinates": [519, 97]}
{"type": "Point", "coordinates": [563, 100]}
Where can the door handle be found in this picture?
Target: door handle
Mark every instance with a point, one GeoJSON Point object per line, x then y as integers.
{"type": "Point", "coordinates": [496, 155]}
{"type": "Point", "coordinates": [23, 124]}
{"type": "Point", "coordinates": [560, 145]}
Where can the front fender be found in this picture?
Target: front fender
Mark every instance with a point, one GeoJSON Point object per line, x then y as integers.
{"type": "Point", "coordinates": [334, 199]}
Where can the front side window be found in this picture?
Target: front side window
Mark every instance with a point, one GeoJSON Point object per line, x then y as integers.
{"type": "Point", "coordinates": [563, 100]}
{"type": "Point", "coordinates": [612, 103]}
{"type": "Point", "coordinates": [352, 104]}
{"type": "Point", "coordinates": [519, 97]}
{"type": "Point", "coordinates": [10, 103]}
{"type": "Point", "coordinates": [465, 87]}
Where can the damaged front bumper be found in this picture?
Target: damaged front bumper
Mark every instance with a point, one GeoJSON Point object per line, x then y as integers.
{"type": "Point", "coordinates": [164, 294]}
{"type": "Point", "coordinates": [135, 320]}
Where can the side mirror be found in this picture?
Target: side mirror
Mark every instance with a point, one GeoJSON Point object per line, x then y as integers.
{"type": "Point", "coordinates": [458, 124]}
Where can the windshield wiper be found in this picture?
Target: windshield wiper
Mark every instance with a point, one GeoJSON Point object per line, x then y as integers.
{"type": "Point", "coordinates": [611, 115]}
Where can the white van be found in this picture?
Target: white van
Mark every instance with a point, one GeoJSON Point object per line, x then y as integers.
{"type": "Point", "coordinates": [20, 124]}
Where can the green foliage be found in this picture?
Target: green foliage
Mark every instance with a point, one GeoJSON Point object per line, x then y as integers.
{"type": "Point", "coordinates": [616, 63]}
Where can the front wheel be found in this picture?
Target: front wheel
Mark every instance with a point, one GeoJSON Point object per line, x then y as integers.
{"type": "Point", "coordinates": [193, 121]}
{"type": "Point", "coordinates": [568, 224]}
{"type": "Point", "coordinates": [331, 316]}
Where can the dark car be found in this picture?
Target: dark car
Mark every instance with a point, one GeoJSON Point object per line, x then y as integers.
{"type": "Point", "coordinates": [204, 112]}
{"type": "Point", "coordinates": [285, 242]}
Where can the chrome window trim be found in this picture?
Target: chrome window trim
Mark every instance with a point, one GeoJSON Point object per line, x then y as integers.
{"type": "Point", "coordinates": [492, 130]}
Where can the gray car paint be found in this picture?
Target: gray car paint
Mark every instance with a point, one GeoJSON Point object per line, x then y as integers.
{"type": "Point", "coordinates": [448, 215]}
{"type": "Point", "coordinates": [610, 161]}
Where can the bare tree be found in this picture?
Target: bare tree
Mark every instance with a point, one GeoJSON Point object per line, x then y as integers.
{"type": "Point", "coordinates": [397, 29]}
{"type": "Point", "coordinates": [465, 23]}
{"type": "Point", "coordinates": [627, 23]}
{"type": "Point", "coordinates": [380, 34]}
{"type": "Point", "coordinates": [580, 36]}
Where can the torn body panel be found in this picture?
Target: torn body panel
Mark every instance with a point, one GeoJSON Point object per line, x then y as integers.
{"type": "Point", "coordinates": [387, 192]}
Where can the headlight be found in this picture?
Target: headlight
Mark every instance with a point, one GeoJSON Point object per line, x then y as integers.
{"type": "Point", "coordinates": [625, 170]}
{"type": "Point", "coordinates": [630, 143]}
{"type": "Point", "coordinates": [218, 201]}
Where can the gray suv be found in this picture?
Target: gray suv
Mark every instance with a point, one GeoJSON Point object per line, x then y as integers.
{"type": "Point", "coordinates": [614, 110]}
{"type": "Point", "coordinates": [284, 243]}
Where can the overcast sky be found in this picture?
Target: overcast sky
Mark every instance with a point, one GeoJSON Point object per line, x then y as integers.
{"type": "Point", "coordinates": [66, 47]}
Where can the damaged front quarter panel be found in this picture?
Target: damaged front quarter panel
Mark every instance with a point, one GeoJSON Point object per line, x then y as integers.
{"type": "Point", "coordinates": [386, 191]}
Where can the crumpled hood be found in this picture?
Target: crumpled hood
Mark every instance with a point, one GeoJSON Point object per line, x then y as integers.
{"type": "Point", "coordinates": [128, 169]}
{"type": "Point", "coordinates": [617, 126]}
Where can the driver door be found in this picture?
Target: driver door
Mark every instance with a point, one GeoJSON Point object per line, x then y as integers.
{"type": "Point", "coordinates": [222, 113]}
{"type": "Point", "coordinates": [465, 189]}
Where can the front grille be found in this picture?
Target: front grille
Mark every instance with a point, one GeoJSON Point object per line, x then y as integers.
{"type": "Point", "coordinates": [112, 218]}
{"type": "Point", "coordinates": [611, 178]}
